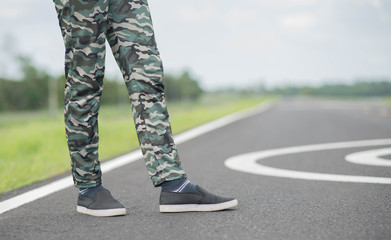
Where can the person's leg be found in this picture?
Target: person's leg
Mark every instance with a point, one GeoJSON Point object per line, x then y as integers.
{"type": "Point", "coordinates": [84, 38]}
{"type": "Point", "coordinates": [83, 26]}
{"type": "Point", "coordinates": [131, 37]}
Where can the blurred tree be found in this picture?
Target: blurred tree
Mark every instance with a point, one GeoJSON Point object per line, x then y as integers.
{"type": "Point", "coordinates": [36, 89]}
{"type": "Point", "coordinates": [172, 88]}
{"type": "Point", "coordinates": [360, 88]}
{"type": "Point", "coordinates": [114, 93]}
{"type": "Point", "coordinates": [28, 93]}
{"type": "Point", "coordinates": [183, 87]}
{"type": "Point", "coordinates": [189, 87]}
{"type": "Point", "coordinates": [35, 85]}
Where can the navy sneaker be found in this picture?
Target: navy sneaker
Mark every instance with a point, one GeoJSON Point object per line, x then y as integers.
{"type": "Point", "coordinates": [200, 201]}
{"type": "Point", "coordinates": [101, 205]}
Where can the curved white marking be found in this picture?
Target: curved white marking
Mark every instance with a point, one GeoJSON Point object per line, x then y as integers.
{"type": "Point", "coordinates": [370, 157]}
{"type": "Point", "coordinates": [248, 162]}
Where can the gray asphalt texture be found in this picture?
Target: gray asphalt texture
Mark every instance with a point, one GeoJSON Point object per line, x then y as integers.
{"type": "Point", "coordinates": [269, 207]}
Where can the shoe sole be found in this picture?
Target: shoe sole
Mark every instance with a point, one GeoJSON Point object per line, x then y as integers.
{"type": "Point", "coordinates": [102, 213]}
{"type": "Point", "coordinates": [198, 207]}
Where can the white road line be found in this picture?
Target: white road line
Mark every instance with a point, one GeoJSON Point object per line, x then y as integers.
{"type": "Point", "coordinates": [370, 157]}
{"type": "Point", "coordinates": [120, 161]}
{"type": "Point", "coordinates": [248, 162]}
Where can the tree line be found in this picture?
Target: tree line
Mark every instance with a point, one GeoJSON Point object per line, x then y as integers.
{"type": "Point", "coordinates": [359, 88]}
{"type": "Point", "coordinates": [37, 89]}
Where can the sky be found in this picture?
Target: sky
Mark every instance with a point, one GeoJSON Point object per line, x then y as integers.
{"type": "Point", "coordinates": [230, 43]}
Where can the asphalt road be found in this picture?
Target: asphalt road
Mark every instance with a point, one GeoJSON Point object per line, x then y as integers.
{"type": "Point", "coordinates": [269, 207]}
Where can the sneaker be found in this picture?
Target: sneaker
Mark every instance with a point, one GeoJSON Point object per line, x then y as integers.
{"type": "Point", "coordinates": [200, 201]}
{"type": "Point", "coordinates": [101, 205]}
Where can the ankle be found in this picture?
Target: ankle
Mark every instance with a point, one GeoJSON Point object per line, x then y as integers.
{"type": "Point", "coordinates": [90, 192]}
{"type": "Point", "coordinates": [179, 185]}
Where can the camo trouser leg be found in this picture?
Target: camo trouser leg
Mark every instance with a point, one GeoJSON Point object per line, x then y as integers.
{"type": "Point", "coordinates": [127, 24]}
{"type": "Point", "coordinates": [131, 37]}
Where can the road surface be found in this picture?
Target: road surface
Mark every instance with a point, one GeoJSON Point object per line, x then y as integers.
{"type": "Point", "coordinates": [270, 206]}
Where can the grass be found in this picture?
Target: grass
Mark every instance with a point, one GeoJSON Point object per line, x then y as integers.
{"type": "Point", "coordinates": [388, 101]}
{"type": "Point", "coordinates": [34, 146]}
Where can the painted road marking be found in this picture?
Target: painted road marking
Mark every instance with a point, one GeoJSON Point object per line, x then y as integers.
{"type": "Point", "coordinates": [371, 157]}
{"type": "Point", "coordinates": [120, 161]}
{"type": "Point", "coordinates": [248, 162]}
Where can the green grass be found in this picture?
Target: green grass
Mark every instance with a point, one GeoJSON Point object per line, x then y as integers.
{"type": "Point", "coordinates": [388, 101]}
{"type": "Point", "coordinates": [34, 147]}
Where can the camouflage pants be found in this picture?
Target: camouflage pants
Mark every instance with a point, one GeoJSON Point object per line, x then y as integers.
{"type": "Point", "coordinates": [127, 26]}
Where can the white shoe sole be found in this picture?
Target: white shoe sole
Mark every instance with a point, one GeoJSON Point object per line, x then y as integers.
{"type": "Point", "coordinates": [102, 213]}
{"type": "Point", "coordinates": [198, 207]}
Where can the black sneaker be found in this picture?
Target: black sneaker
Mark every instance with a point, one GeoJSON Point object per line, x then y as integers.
{"type": "Point", "coordinates": [101, 205]}
{"type": "Point", "coordinates": [200, 201]}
